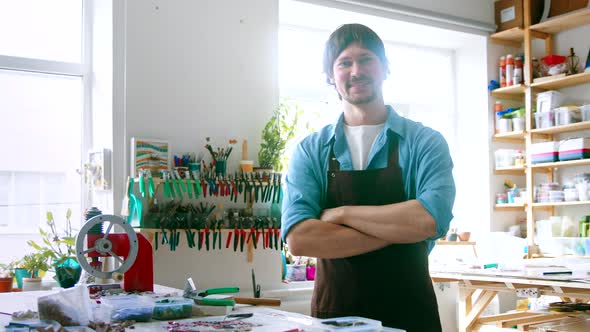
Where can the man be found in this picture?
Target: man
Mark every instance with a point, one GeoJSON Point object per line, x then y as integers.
{"type": "Point", "coordinates": [368, 196]}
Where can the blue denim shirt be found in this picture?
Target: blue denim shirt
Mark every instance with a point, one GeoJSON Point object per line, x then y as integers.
{"type": "Point", "coordinates": [424, 159]}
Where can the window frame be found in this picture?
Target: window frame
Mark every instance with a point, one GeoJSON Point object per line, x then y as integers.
{"type": "Point", "coordinates": [82, 70]}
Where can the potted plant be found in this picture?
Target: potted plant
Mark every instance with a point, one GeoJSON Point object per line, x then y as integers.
{"type": "Point", "coordinates": [277, 132]}
{"type": "Point", "coordinates": [6, 277]}
{"type": "Point", "coordinates": [60, 250]}
{"type": "Point", "coordinates": [34, 263]}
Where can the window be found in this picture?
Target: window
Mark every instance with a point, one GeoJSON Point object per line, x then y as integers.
{"type": "Point", "coordinates": [429, 68]}
{"type": "Point", "coordinates": [42, 106]}
{"type": "Point", "coordinates": [301, 78]}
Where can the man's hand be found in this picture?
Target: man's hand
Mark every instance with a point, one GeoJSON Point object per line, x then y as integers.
{"type": "Point", "coordinates": [334, 215]}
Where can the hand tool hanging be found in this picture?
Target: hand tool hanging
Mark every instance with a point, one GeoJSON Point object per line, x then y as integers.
{"type": "Point", "coordinates": [151, 186]}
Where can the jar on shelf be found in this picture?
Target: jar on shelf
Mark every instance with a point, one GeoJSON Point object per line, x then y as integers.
{"type": "Point", "coordinates": [501, 198]}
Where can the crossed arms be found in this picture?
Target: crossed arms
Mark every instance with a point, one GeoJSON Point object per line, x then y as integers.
{"type": "Point", "coordinates": [353, 230]}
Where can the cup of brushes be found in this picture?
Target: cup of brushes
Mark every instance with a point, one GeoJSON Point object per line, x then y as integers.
{"type": "Point", "coordinates": [220, 156]}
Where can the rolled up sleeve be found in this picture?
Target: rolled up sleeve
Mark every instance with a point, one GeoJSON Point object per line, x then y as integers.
{"type": "Point", "coordinates": [435, 184]}
{"type": "Point", "coordinates": [302, 197]}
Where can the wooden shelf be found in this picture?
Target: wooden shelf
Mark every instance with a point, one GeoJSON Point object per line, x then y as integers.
{"type": "Point", "coordinates": [550, 204]}
{"type": "Point", "coordinates": [563, 129]}
{"type": "Point", "coordinates": [510, 206]}
{"type": "Point", "coordinates": [557, 164]}
{"type": "Point", "coordinates": [513, 136]}
{"type": "Point", "coordinates": [515, 92]}
{"type": "Point", "coordinates": [512, 170]}
{"type": "Point", "coordinates": [564, 22]}
{"type": "Point", "coordinates": [511, 37]}
{"type": "Point", "coordinates": [563, 82]}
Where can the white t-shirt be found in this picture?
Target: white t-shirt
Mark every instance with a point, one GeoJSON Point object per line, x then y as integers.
{"type": "Point", "coordinates": [360, 141]}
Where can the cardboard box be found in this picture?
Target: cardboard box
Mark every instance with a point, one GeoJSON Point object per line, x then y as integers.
{"type": "Point", "coordinates": [510, 13]}
{"type": "Point", "coordinates": [559, 7]}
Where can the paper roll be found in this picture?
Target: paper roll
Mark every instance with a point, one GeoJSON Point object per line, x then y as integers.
{"type": "Point", "coordinates": [245, 150]}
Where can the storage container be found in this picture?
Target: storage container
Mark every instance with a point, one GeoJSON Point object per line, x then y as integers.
{"type": "Point", "coordinates": [567, 114]}
{"type": "Point", "coordinates": [505, 157]}
{"type": "Point", "coordinates": [173, 308]}
{"type": "Point", "coordinates": [504, 125]}
{"type": "Point", "coordinates": [544, 120]}
{"type": "Point", "coordinates": [574, 148]}
{"type": "Point", "coordinates": [129, 307]}
{"type": "Point", "coordinates": [570, 194]}
{"type": "Point", "coordinates": [518, 124]}
{"type": "Point", "coordinates": [548, 100]}
{"type": "Point", "coordinates": [544, 152]}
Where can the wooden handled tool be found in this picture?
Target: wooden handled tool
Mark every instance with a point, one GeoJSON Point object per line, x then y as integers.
{"type": "Point", "coordinates": [258, 301]}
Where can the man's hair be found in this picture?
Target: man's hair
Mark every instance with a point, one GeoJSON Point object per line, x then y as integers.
{"type": "Point", "coordinates": [348, 34]}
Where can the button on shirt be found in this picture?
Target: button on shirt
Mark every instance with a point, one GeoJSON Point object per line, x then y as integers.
{"type": "Point", "coordinates": [424, 160]}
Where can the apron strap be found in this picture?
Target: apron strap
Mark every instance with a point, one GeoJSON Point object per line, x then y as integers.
{"type": "Point", "coordinates": [392, 158]}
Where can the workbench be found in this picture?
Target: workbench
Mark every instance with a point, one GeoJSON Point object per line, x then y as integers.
{"type": "Point", "coordinates": [487, 284]}
{"type": "Point", "coordinates": [274, 320]}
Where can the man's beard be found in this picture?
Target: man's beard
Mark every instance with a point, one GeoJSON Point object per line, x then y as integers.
{"type": "Point", "coordinates": [360, 100]}
{"type": "Point", "coordinates": [363, 99]}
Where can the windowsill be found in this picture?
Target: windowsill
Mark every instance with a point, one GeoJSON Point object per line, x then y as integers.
{"type": "Point", "coordinates": [291, 289]}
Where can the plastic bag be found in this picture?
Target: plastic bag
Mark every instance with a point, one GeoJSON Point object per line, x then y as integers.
{"type": "Point", "coordinates": [69, 307]}
{"type": "Point", "coordinates": [553, 65]}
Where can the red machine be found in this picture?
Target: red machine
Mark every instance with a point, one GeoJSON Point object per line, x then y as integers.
{"type": "Point", "coordinates": [132, 252]}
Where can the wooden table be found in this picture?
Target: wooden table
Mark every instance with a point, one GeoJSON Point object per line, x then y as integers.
{"type": "Point", "coordinates": [470, 308]}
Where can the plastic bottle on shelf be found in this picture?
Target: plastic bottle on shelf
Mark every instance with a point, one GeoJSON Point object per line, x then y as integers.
{"type": "Point", "coordinates": [509, 70]}
{"type": "Point", "coordinates": [498, 106]}
{"type": "Point", "coordinates": [518, 77]}
{"type": "Point", "coordinates": [519, 160]}
{"type": "Point", "coordinates": [502, 72]}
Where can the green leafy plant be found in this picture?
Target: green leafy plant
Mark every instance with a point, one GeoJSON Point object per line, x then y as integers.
{"type": "Point", "coordinates": [34, 263]}
{"type": "Point", "coordinates": [278, 131]}
{"type": "Point", "coordinates": [7, 270]}
{"type": "Point", "coordinates": [55, 247]}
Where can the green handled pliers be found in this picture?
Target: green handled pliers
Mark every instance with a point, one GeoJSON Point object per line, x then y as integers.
{"type": "Point", "coordinates": [201, 297]}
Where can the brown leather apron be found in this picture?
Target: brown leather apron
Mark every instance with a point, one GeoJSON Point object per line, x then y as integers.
{"type": "Point", "coordinates": [391, 284]}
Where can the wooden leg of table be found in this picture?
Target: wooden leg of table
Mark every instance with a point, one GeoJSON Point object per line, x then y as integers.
{"type": "Point", "coordinates": [464, 307]}
{"type": "Point", "coordinates": [479, 306]}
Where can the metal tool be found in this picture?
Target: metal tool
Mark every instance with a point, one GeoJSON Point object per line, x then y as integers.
{"type": "Point", "coordinates": [255, 286]}
{"type": "Point", "coordinates": [137, 263]}
{"type": "Point", "coordinates": [191, 292]}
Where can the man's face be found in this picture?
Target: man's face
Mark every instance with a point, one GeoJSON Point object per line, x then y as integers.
{"type": "Point", "coordinates": [358, 75]}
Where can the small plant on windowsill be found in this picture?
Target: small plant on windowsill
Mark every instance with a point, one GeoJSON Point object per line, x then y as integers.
{"type": "Point", "coordinates": [7, 276]}
{"type": "Point", "coordinates": [60, 250]}
{"type": "Point", "coordinates": [34, 263]}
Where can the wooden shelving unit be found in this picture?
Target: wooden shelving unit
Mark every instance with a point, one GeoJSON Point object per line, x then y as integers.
{"type": "Point", "coordinates": [552, 204]}
{"type": "Point", "coordinates": [563, 82]}
{"type": "Point", "coordinates": [510, 206]}
{"type": "Point", "coordinates": [510, 92]}
{"type": "Point", "coordinates": [558, 164]}
{"type": "Point", "coordinates": [563, 129]}
{"type": "Point", "coordinates": [512, 170]}
{"type": "Point", "coordinates": [564, 22]}
{"type": "Point", "coordinates": [525, 93]}
{"type": "Point", "coordinates": [511, 37]}
{"type": "Point", "coordinates": [513, 136]}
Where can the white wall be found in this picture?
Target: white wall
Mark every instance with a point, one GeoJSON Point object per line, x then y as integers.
{"type": "Point", "coordinates": [186, 70]}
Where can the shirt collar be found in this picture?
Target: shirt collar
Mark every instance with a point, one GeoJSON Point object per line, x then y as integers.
{"type": "Point", "coordinates": [392, 123]}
